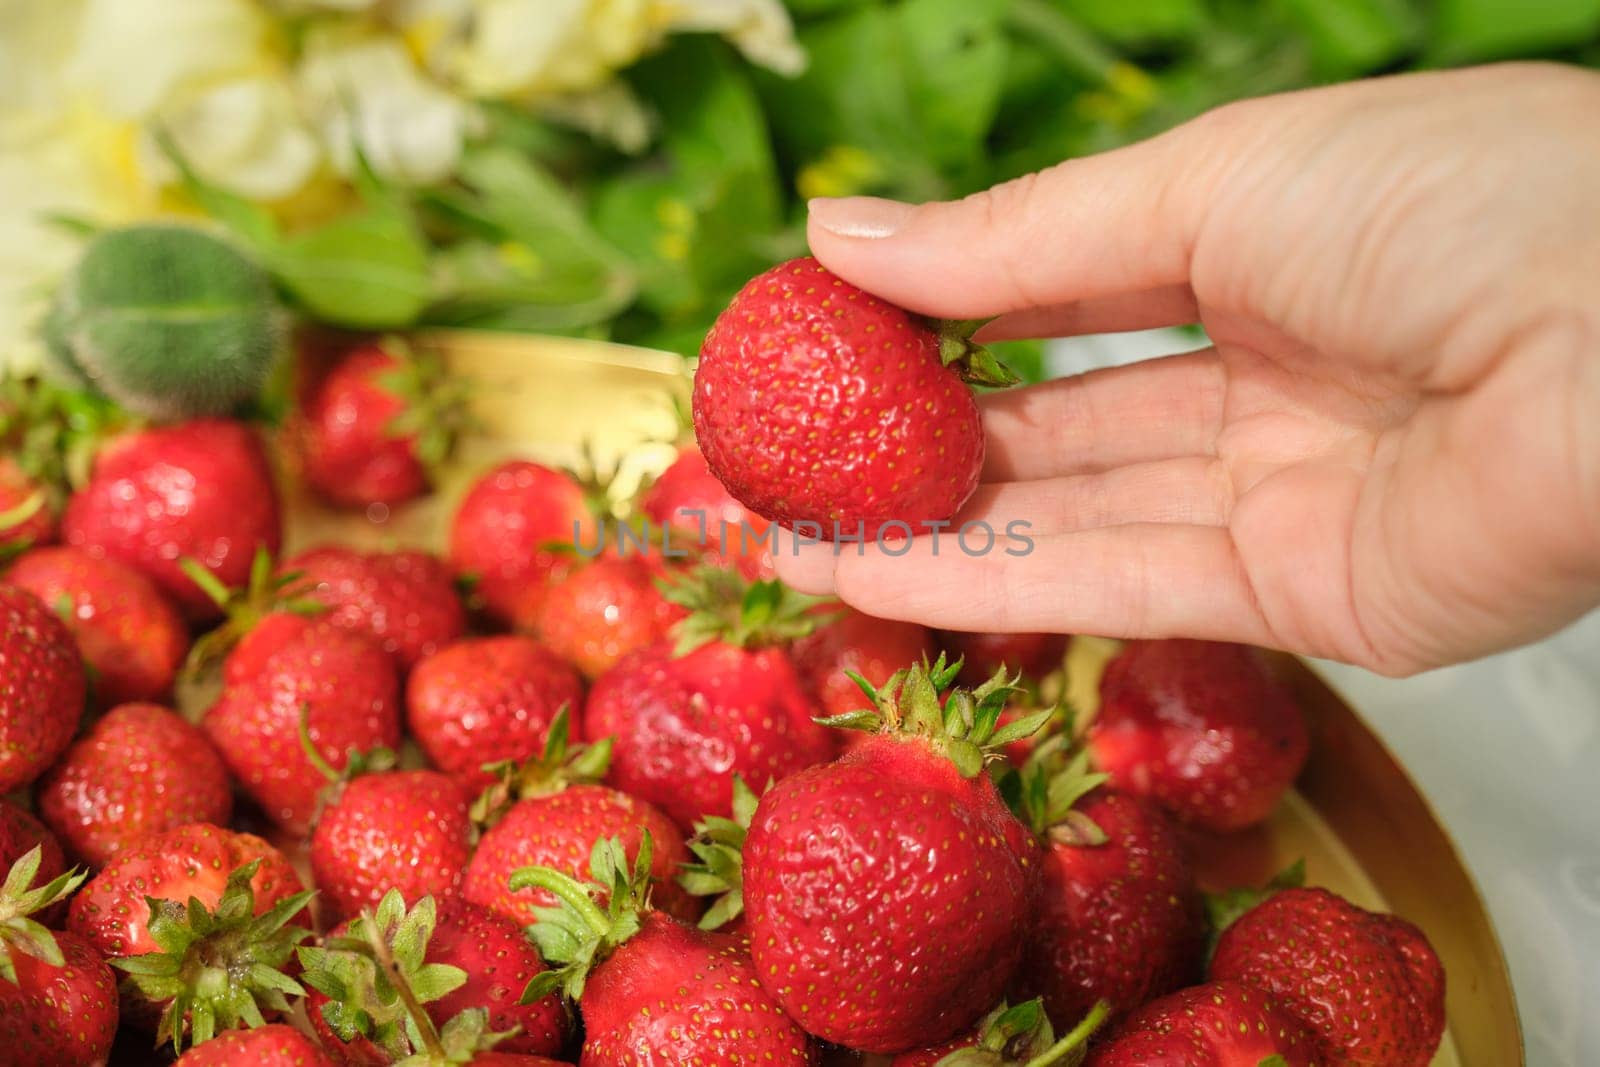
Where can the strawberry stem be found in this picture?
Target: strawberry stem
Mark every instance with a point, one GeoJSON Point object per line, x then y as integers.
{"type": "Point", "coordinates": [426, 1033]}
{"type": "Point", "coordinates": [1078, 1036]}
{"type": "Point", "coordinates": [570, 892]}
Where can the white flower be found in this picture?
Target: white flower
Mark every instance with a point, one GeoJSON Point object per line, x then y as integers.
{"type": "Point", "coordinates": [611, 112]}
{"type": "Point", "coordinates": [759, 28]}
{"type": "Point", "coordinates": [244, 135]}
{"type": "Point", "coordinates": [365, 92]}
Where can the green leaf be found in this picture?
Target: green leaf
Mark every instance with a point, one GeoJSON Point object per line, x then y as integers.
{"type": "Point", "coordinates": [956, 53]}
{"type": "Point", "coordinates": [1466, 31]}
{"type": "Point", "coordinates": [367, 270]}
{"type": "Point", "coordinates": [1353, 36]}
{"type": "Point", "coordinates": [1140, 23]}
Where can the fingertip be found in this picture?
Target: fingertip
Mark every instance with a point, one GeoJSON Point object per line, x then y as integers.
{"type": "Point", "coordinates": [807, 568]}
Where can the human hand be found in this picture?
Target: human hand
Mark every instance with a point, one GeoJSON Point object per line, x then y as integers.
{"type": "Point", "coordinates": [1390, 455]}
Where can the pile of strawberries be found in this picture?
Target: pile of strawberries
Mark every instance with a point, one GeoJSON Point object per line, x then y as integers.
{"type": "Point", "coordinates": [516, 806]}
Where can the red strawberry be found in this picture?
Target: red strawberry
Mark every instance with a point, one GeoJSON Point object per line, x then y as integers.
{"type": "Point", "coordinates": [688, 499]}
{"type": "Point", "coordinates": [600, 613]}
{"type": "Point", "coordinates": [1015, 1036]}
{"type": "Point", "coordinates": [139, 770]}
{"type": "Point", "coordinates": [344, 687]}
{"type": "Point", "coordinates": [650, 988]}
{"type": "Point", "coordinates": [25, 517]}
{"type": "Point", "coordinates": [199, 490]}
{"type": "Point", "coordinates": [1368, 986]}
{"type": "Point", "coordinates": [405, 600]}
{"type": "Point", "coordinates": [21, 833]}
{"type": "Point", "coordinates": [981, 654]}
{"type": "Point", "coordinates": [130, 636]}
{"type": "Point", "coordinates": [370, 429]}
{"type": "Point", "coordinates": [1202, 728]}
{"type": "Point", "coordinates": [273, 1045]}
{"type": "Point", "coordinates": [404, 830]}
{"type": "Point", "coordinates": [514, 533]}
{"type": "Point", "coordinates": [886, 895]}
{"type": "Point", "coordinates": [816, 402]}
{"type": "Point", "coordinates": [492, 957]}
{"type": "Point", "coordinates": [860, 644]}
{"type": "Point", "coordinates": [41, 687]}
{"type": "Point", "coordinates": [1118, 918]}
{"type": "Point", "coordinates": [487, 699]}
{"type": "Point", "coordinates": [684, 725]}
{"type": "Point", "coordinates": [215, 942]}
{"type": "Point", "coordinates": [1222, 1024]}
{"type": "Point", "coordinates": [58, 999]}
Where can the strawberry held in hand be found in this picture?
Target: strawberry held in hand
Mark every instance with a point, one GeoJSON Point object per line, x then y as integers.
{"type": "Point", "coordinates": [816, 402]}
{"type": "Point", "coordinates": [887, 895]}
{"type": "Point", "coordinates": [1222, 1024]}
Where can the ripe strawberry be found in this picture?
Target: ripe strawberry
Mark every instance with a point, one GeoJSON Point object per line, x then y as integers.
{"type": "Point", "coordinates": [406, 601]}
{"type": "Point", "coordinates": [58, 999]}
{"type": "Point", "coordinates": [597, 615]}
{"type": "Point", "coordinates": [688, 499]}
{"type": "Point", "coordinates": [1118, 917]}
{"type": "Point", "coordinates": [487, 699]}
{"type": "Point", "coordinates": [139, 770]}
{"type": "Point", "coordinates": [485, 958]}
{"type": "Point", "coordinates": [650, 988]}
{"type": "Point", "coordinates": [21, 833]}
{"type": "Point", "coordinates": [273, 1045]}
{"type": "Point", "coordinates": [1367, 986]}
{"type": "Point", "coordinates": [198, 490]}
{"type": "Point", "coordinates": [26, 520]}
{"type": "Point", "coordinates": [859, 644]}
{"type": "Point", "coordinates": [1009, 1036]}
{"type": "Point", "coordinates": [42, 687]}
{"type": "Point", "coordinates": [513, 534]}
{"type": "Point", "coordinates": [1201, 728]}
{"type": "Point", "coordinates": [1222, 1024]}
{"type": "Point", "coordinates": [404, 830]}
{"type": "Point", "coordinates": [214, 943]}
{"type": "Point", "coordinates": [344, 686]}
{"type": "Point", "coordinates": [886, 895]}
{"type": "Point", "coordinates": [550, 813]}
{"type": "Point", "coordinates": [981, 654]}
{"type": "Point", "coordinates": [816, 402]}
{"type": "Point", "coordinates": [131, 637]}
{"type": "Point", "coordinates": [371, 429]}
{"type": "Point", "coordinates": [684, 723]}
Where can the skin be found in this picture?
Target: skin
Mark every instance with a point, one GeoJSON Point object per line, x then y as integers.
{"type": "Point", "coordinates": [1387, 456]}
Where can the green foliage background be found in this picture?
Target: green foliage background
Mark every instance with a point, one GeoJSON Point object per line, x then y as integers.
{"type": "Point", "coordinates": [546, 230]}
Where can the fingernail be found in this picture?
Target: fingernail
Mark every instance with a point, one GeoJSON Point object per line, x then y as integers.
{"type": "Point", "coordinates": [859, 216]}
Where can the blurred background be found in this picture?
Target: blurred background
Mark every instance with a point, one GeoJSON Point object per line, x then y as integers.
{"type": "Point", "coordinates": [617, 168]}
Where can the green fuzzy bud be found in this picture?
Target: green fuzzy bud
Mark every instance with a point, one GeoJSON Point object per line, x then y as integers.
{"type": "Point", "coordinates": [169, 321]}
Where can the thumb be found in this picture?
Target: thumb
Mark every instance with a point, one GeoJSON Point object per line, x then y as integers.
{"type": "Point", "coordinates": [1124, 222]}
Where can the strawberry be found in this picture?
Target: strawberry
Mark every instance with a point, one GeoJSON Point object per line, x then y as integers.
{"type": "Point", "coordinates": [725, 701]}
{"type": "Point", "coordinates": [198, 490]}
{"type": "Point", "coordinates": [1222, 1024]}
{"type": "Point", "coordinates": [597, 615]}
{"type": "Point", "coordinates": [886, 895]}
{"type": "Point", "coordinates": [652, 989]}
{"type": "Point", "coordinates": [454, 957]}
{"type": "Point", "coordinates": [199, 917]}
{"type": "Point", "coordinates": [981, 654]}
{"type": "Point", "coordinates": [139, 770]}
{"type": "Point", "coordinates": [21, 833]}
{"type": "Point", "coordinates": [272, 1045]}
{"type": "Point", "coordinates": [58, 999]}
{"type": "Point", "coordinates": [687, 498]}
{"type": "Point", "coordinates": [404, 830]}
{"type": "Point", "coordinates": [549, 813]}
{"type": "Point", "coordinates": [1009, 1036]}
{"type": "Point", "coordinates": [514, 534]}
{"type": "Point", "coordinates": [854, 643]}
{"type": "Point", "coordinates": [1118, 917]}
{"type": "Point", "coordinates": [342, 683]}
{"type": "Point", "coordinates": [405, 600]}
{"type": "Point", "coordinates": [816, 402]}
{"type": "Point", "coordinates": [371, 429]}
{"type": "Point", "coordinates": [42, 687]}
{"type": "Point", "coordinates": [1367, 986]}
{"type": "Point", "coordinates": [487, 699]}
{"type": "Point", "coordinates": [131, 637]}
{"type": "Point", "coordinates": [25, 516]}
{"type": "Point", "coordinates": [1202, 728]}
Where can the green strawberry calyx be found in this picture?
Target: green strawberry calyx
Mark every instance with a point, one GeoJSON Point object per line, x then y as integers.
{"type": "Point", "coordinates": [377, 978]}
{"type": "Point", "coordinates": [217, 968]}
{"type": "Point", "coordinates": [1229, 906]}
{"type": "Point", "coordinates": [578, 932]}
{"type": "Point", "coordinates": [725, 606]}
{"type": "Point", "coordinates": [51, 432]}
{"type": "Point", "coordinates": [972, 361]}
{"type": "Point", "coordinates": [1021, 1036]}
{"type": "Point", "coordinates": [357, 762]}
{"type": "Point", "coordinates": [1046, 790]}
{"type": "Point", "coordinates": [562, 763]}
{"type": "Point", "coordinates": [436, 404]}
{"type": "Point", "coordinates": [964, 723]}
{"type": "Point", "coordinates": [19, 899]}
{"type": "Point", "coordinates": [265, 593]}
{"type": "Point", "coordinates": [718, 867]}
